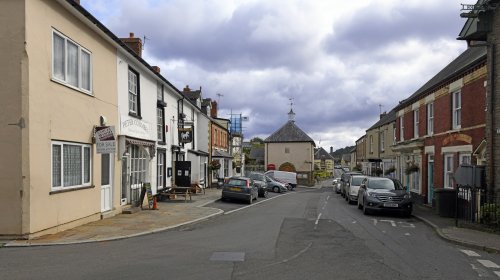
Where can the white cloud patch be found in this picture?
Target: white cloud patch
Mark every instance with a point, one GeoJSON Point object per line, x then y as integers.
{"type": "Point", "coordinates": [338, 60]}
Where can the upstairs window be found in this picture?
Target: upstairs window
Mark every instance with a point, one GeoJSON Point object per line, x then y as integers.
{"type": "Point", "coordinates": [401, 129]}
{"type": "Point", "coordinates": [133, 93]}
{"type": "Point", "coordinates": [371, 144]}
{"type": "Point", "coordinates": [382, 141]}
{"type": "Point", "coordinates": [457, 109]}
{"type": "Point", "coordinates": [160, 123]}
{"type": "Point", "coordinates": [71, 63]}
{"type": "Point", "coordinates": [159, 91]}
{"type": "Point", "coordinates": [430, 118]}
{"type": "Point", "coordinates": [415, 123]}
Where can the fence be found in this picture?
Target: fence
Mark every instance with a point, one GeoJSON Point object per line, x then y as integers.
{"type": "Point", "coordinates": [475, 206]}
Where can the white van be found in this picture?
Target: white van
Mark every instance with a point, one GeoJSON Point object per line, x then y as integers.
{"type": "Point", "coordinates": [288, 177]}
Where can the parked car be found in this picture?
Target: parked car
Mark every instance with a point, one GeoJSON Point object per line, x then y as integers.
{"type": "Point", "coordinates": [275, 186]}
{"type": "Point", "coordinates": [378, 194]}
{"type": "Point", "coordinates": [336, 185]}
{"type": "Point", "coordinates": [344, 179]}
{"type": "Point", "coordinates": [283, 176]}
{"type": "Point", "coordinates": [240, 188]}
{"type": "Point", "coordinates": [352, 188]}
{"type": "Point", "coordinates": [260, 180]}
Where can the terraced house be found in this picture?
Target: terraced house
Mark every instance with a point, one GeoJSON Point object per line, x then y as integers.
{"type": "Point", "coordinates": [442, 125]}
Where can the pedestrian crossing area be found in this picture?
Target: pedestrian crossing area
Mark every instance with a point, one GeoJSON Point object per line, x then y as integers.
{"type": "Point", "coordinates": [485, 264]}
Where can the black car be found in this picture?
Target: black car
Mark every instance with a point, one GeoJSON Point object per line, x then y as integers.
{"type": "Point", "coordinates": [241, 188]}
{"type": "Point", "coordinates": [260, 180]}
{"type": "Point", "coordinates": [384, 194]}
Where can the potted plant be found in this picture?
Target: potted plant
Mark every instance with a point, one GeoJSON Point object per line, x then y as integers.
{"type": "Point", "coordinates": [377, 171]}
{"type": "Point", "coordinates": [214, 165]}
{"type": "Point", "coordinates": [389, 170]}
{"type": "Point", "coordinates": [411, 168]}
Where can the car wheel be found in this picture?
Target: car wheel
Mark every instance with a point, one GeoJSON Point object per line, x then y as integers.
{"type": "Point", "coordinates": [276, 189]}
{"type": "Point", "coordinates": [365, 210]}
{"type": "Point", "coordinates": [265, 194]}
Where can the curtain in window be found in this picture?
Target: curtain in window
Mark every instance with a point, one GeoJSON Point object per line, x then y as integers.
{"type": "Point", "coordinates": [85, 70]}
{"type": "Point", "coordinates": [86, 165]}
{"type": "Point", "coordinates": [72, 64]}
{"type": "Point", "coordinates": [72, 165]}
{"type": "Point", "coordinates": [59, 54]}
{"type": "Point", "coordinates": [56, 165]}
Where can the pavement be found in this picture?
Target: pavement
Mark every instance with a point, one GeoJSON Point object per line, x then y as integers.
{"type": "Point", "coordinates": [175, 213]}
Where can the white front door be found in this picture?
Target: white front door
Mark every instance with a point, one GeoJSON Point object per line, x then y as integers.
{"type": "Point", "coordinates": [106, 182]}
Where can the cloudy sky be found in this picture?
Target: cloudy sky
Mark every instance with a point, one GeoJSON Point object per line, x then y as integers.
{"type": "Point", "coordinates": [337, 60]}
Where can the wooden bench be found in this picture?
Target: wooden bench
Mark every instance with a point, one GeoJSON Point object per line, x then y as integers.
{"type": "Point", "coordinates": [181, 191]}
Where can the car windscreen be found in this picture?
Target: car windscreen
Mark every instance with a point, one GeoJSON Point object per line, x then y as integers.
{"type": "Point", "coordinates": [385, 184]}
{"type": "Point", "coordinates": [237, 182]}
{"type": "Point", "coordinates": [356, 180]}
{"type": "Point", "coordinates": [256, 176]}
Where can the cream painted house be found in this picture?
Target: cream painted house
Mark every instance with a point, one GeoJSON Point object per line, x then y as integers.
{"type": "Point", "coordinates": [291, 149]}
{"type": "Point", "coordinates": [379, 139]}
{"type": "Point", "coordinates": [59, 83]}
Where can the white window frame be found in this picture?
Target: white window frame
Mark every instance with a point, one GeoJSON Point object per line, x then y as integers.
{"type": "Point", "coordinates": [416, 121]}
{"type": "Point", "coordinates": [84, 163]}
{"type": "Point", "coordinates": [457, 109]}
{"type": "Point", "coordinates": [159, 91]}
{"type": "Point", "coordinates": [401, 129]}
{"type": "Point", "coordinates": [394, 135]}
{"type": "Point", "coordinates": [465, 158]}
{"type": "Point", "coordinates": [448, 170]}
{"type": "Point", "coordinates": [430, 118]}
{"type": "Point", "coordinates": [133, 92]}
{"type": "Point", "coordinates": [160, 169]}
{"type": "Point", "coordinates": [80, 75]}
{"type": "Point", "coordinates": [371, 144]}
{"type": "Point", "coordinates": [160, 124]}
{"type": "Point", "coordinates": [382, 141]}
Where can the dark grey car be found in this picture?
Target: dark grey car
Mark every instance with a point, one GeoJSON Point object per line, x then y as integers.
{"type": "Point", "coordinates": [260, 180]}
{"type": "Point", "coordinates": [384, 194]}
{"type": "Point", "coordinates": [240, 188]}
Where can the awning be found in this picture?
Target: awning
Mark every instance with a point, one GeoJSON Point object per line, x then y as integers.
{"type": "Point", "coordinates": [151, 145]}
{"type": "Point", "coordinates": [221, 154]}
{"type": "Point", "coordinates": [198, 153]}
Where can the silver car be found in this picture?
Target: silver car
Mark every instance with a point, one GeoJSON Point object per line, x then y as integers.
{"type": "Point", "coordinates": [352, 188]}
{"type": "Point", "coordinates": [336, 185]}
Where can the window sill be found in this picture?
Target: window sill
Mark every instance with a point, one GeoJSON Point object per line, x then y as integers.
{"type": "Point", "coordinates": [135, 115]}
{"type": "Point", "coordinates": [63, 83]}
{"type": "Point", "coordinates": [71, 189]}
{"type": "Point", "coordinates": [161, 103]}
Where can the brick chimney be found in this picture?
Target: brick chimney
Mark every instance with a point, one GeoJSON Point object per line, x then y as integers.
{"type": "Point", "coordinates": [77, 1]}
{"type": "Point", "coordinates": [156, 69]}
{"type": "Point", "coordinates": [383, 115]}
{"type": "Point", "coordinates": [331, 150]}
{"type": "Point", "coordinates": [213, 110]}
{"type": "Point", "coordinates": [186, 89]}
{"type": "Point", "coordinates": [134, 43]}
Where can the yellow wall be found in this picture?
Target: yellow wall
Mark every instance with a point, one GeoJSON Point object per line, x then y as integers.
{"type": "Point", "coordinates": [57, 112]}
{"type": "Point", "coordinates": [300, 155]}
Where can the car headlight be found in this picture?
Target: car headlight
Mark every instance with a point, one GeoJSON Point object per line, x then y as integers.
{"type": "Point", "coordinates": [407, 196]}
{"type": "Point", "coordinates": [372, 194]}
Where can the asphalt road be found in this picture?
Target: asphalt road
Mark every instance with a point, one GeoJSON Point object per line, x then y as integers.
{"type": "Point", "coordinates": [304, 234]}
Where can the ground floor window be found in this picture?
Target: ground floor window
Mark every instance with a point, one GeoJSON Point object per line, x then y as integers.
{"type": "Point", "coordinates": [160, 169]}
{"type": "Point", "coordinates": [71, 165]}
{"type": "Point", "coordinates": [448, 170]}
{"type": "Point", "coordinates": [138, 165]}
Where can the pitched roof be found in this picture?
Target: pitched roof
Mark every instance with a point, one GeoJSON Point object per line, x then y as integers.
{"type": "Point", "coordinates": [470, 58]}
{"type": "Point", "coordinates": [388, 118]}
{"type": "Point", "coordinates": [257, 153]}
{"type": "Point", "coordinates": [289, 132]}
{"type": "Point", "coordinates": [320, 152]}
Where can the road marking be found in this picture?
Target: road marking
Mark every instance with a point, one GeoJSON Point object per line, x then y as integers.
{"type": "Point", "coordinates": [480, 272]}
{"type": "Point", "coordinates": [470, 253]}
{"type": "Point", "coordinates": [389, 221]}
{"type": "Point", "coordinates": [407, 225]}
{"type": "Point", "coordinates": [407, 234]}
{"type": "Point", "coordinates": [317, 221]}
{"type": "Point", "coordinates": [354, 222]}
{"type": "Point", "coordinates": [328, 197]}
{"type": "Point", "coordinates": [497, 273]}
{"type": "Point", "coordinates": [256, 203]}
{"type": "Point", "coordinates": [375, 221]}
{"type": "Point", "coordinates": [488, 264]}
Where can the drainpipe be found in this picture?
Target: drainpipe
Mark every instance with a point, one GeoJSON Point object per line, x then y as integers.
{"type": "Point", "coordinates": [491, 108]}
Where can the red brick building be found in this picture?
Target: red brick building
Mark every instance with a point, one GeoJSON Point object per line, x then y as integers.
{"type": "Point", "coordinates": [442, 125]}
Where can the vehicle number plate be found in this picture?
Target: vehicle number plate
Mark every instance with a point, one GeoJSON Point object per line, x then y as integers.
{"type": "Point", "coordinates": [391, 205]}
{"type": "Point", "coordinates": [235, 189]}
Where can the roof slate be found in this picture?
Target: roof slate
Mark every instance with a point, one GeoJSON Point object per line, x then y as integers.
{"type": "Point", "coordinates": [388, 118]}
{"type": "Point", "coordinates": [322, 152]}
{"type": "Point", "coordinates": [289, 132]}
{"type": "Point", "coordinates": [469, 58]}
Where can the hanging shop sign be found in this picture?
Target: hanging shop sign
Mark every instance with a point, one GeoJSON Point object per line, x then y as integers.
{"type": "Point", "coordinates": [185, 135]}
{"type": "Point", "coordinates": [105, 140]}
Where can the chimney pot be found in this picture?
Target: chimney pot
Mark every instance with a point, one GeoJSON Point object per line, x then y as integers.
{"type": "Point", "coordinates": [156, 69]}
{"type": "Point", "coordinates": [131, 35]}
